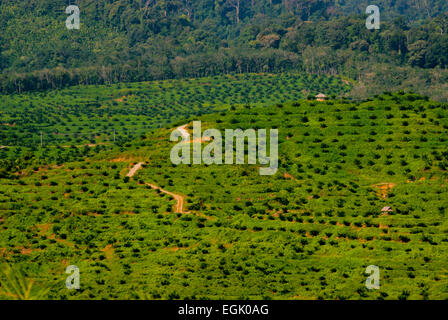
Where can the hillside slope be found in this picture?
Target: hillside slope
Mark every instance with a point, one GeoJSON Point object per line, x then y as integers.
{"type": "Point", "coordinates": [308, 231]}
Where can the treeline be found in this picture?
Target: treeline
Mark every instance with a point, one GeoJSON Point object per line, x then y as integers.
{"type": "Point", "coordinates": [136, 40]}
{"type": "Point", "coordinates": [223, 61]}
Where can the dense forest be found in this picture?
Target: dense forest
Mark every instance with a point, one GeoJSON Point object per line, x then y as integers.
{"type": "Point", "coordinates": [137, 40]}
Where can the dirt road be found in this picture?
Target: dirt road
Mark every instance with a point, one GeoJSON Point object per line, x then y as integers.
{"type": "Point", "coordinates": [184, 132]}
{"type": "Point", "coordinates": [186, 135]}
{"type": "Point", "coordinates": [134, 170]}
{"type": "Point", "coordinates": [180, 199]}
{"type": "Point", "coordinates": [179, 208]}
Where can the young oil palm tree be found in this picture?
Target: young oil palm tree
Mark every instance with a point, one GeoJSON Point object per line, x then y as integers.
{"type": "Point", "coordinates": [14, 285]}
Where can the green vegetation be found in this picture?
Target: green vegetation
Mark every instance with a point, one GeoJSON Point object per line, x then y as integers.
{"type": "Point", "coordinates": [85, 171]}
{"type": "Point", "coordinates": [309, 231]}
{"type": "Point", "coordinates": [15, 285]}
{"type": "Point", "coordinates": [91, 114]}
{"type": "Point", "coordinates": [129, 40]}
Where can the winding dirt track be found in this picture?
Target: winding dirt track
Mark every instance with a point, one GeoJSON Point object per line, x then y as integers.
{"type": "Point", "coordinates": [180, 199]}
{"type": "Point", "coordinates": [184, 132]}
{"type": "Point", "coordinates": [134, 170]}
{"type": "Point", "coordinates": [186, 135]}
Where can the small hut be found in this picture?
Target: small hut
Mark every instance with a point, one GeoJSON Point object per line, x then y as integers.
{"type": "Point", "coordinates": [321, 97]}
{"type": "Point", "coordinates": [386, 210]}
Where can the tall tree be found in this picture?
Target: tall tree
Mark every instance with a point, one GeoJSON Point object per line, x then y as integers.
{"type": "Point", "coordinates": [236, 5]}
